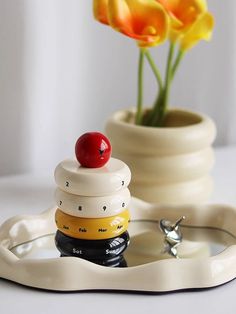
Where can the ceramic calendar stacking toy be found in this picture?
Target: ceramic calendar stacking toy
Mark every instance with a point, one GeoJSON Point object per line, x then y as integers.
{"type": "Point", "coordinates": [92, 198]}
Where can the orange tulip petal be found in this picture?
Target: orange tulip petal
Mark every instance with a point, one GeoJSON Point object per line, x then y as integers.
{"type": "Point", "coordinates": [186, 11]}
{"type": "Point", "coordinates": [143, 20]}
{"type": "Point", "coordinates": [100, 10]}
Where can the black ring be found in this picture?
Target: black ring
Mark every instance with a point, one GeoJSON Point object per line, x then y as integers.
{"type": "Point", "coordinates": [92, 249]}
{"type": "Point", "coordinates": [117, 262]}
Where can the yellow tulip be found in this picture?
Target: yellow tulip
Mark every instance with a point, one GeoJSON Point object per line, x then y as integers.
{"type": "Point", "coordinates": [201, 29]}
{"type": "Point", "coordinates": [146, 21]}
{"type": "Point", "coordinates": [190, 21]}
{"type": "Point", "coordinates": [100, 10]}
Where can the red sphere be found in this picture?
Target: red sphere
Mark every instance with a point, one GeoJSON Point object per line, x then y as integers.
{"type": "Point", "coordinates": [93, 150]}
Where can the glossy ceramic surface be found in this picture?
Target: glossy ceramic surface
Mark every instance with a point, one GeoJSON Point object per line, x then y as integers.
{"type": "Point", "coordinates": [109, 179]}
{"type": "Point", "coordinates": [92, 207]}
{"type": "Point", "coordinates": [207, 254]}
{"type": "Point", "coordinates": [92, 228]}
{"type": "Point", "coordinates": [169, 164]}
{"type": "Point", "coordinates": [92, 249]}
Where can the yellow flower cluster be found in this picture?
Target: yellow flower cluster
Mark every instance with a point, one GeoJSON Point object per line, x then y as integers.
{"type": "Point", "coordinates": [151, 22]}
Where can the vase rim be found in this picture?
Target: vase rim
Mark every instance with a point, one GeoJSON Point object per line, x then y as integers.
{"type": "Point", "coordinates": [203, 119]}
{"type": "Point", "coordinates": [161, 140]}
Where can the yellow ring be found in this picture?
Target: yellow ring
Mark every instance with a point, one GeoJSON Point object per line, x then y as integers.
{"type": "Point", "coordinates": [92, 228]}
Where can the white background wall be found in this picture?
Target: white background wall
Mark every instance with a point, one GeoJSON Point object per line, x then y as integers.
{"type": "Point", "coordinates": [62, 73]}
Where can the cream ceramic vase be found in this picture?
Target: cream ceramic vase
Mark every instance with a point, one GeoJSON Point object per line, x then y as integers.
{"type": "Point", "coordinates": [170, 164]}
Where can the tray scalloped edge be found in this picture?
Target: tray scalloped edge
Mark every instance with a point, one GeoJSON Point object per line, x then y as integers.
{"type": "Point", "coordinates": [74, 274]}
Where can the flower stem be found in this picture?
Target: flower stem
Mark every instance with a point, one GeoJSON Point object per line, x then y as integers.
{"type": "Point", "coordinates": [179, 58]}
{"type": "Point", "coordinates": [154, 69]}
{"type": "Point", "coordinates": [166, 92]}
{"type": "Point", "coordinates": [138, 118]}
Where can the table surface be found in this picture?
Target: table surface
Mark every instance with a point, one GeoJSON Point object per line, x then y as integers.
{"type": "Point", "coordinates": [27, 194]}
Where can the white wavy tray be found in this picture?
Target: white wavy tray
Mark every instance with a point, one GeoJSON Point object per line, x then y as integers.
{"type": "Point", "coordinates": [196, 270]}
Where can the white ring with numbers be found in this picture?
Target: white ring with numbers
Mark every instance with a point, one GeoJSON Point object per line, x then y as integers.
{"type": "Point", "coordinates": [92, 207]}
{"type": "Point", "coordinates": [75, 179]}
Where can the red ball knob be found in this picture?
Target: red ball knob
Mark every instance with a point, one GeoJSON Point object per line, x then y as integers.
{"type": "Point", "coordinates": [93, 150]}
